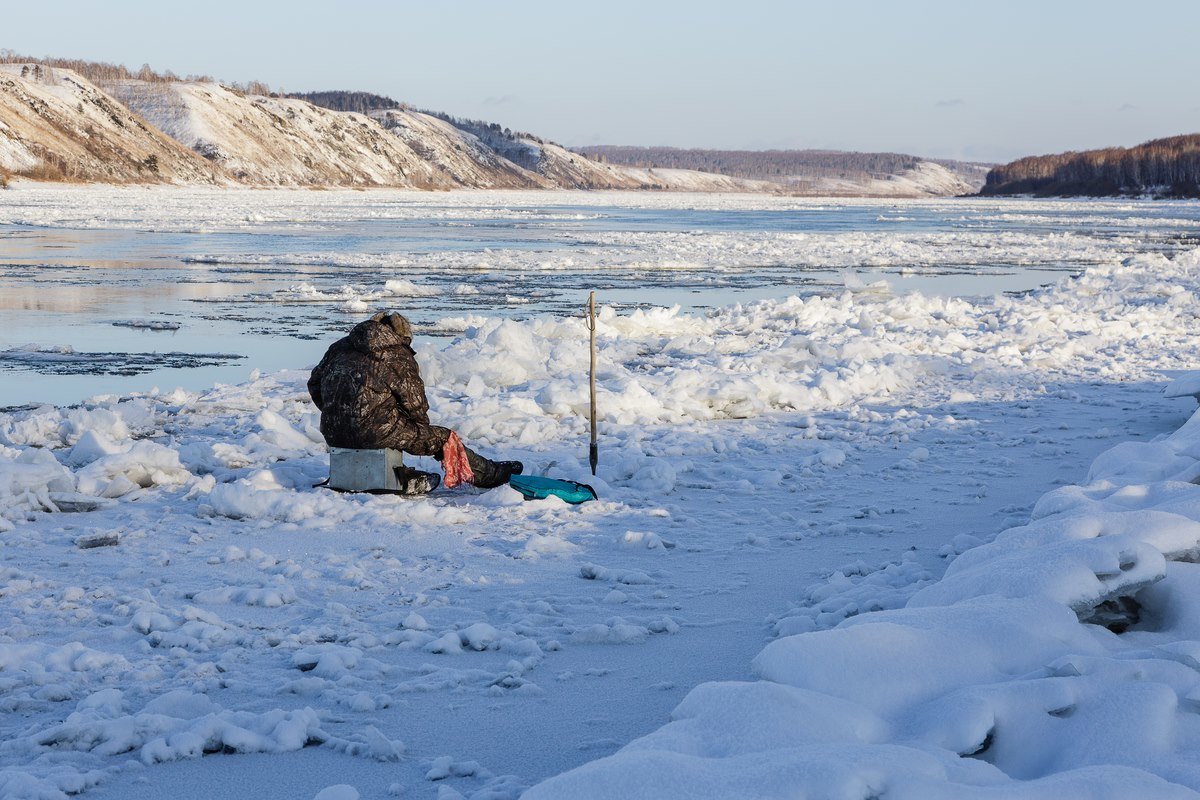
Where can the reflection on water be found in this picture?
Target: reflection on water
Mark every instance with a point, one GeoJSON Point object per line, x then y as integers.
{"type": "Point", "coordinates": [278, 293]}
{"type": "Point", "coordinates": [84, 297]}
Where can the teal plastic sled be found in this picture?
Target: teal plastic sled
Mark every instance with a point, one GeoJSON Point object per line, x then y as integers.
{"type": "Point", "coordinates": [537, 487]}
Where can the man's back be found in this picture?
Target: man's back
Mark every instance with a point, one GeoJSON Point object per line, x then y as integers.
{"type": "Point", "coordinates": [368, 387]}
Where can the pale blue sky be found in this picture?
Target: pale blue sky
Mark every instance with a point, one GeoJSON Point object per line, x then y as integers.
{"type": "Point", "coordinates": [965, 79]}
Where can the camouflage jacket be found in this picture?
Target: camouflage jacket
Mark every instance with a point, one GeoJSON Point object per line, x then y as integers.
{"type": "Point", "coordinates": [369, 389]}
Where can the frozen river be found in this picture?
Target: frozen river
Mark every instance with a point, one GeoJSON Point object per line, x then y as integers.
{"type": "Point", "coordinates": [113, 290]}
{"type": "Point", "coordinates": [207, 622]}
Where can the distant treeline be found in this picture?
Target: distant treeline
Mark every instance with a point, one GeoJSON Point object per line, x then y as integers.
{"type": "Point", "coordinates": [1169, 167]}
{"type": "Point", "coordinates": [769, 165]}
{"type": "Point", "coordinates": [99, 71]}
{"type": "Point", "coordinates": [358, 102]}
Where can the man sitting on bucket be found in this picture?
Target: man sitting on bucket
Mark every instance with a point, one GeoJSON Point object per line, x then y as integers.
{"type": "Point", "coordinates": [369, 390]}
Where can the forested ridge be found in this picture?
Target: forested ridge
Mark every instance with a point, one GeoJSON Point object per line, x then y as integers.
{"type": "Point", "coordinates": [102, 72]}
{"type": "Point", "coordinates": [1167, 167]}
{"type": "Point", "coordinates": [769, 165]}
{"type": "Point", "coordinates": [341, 100]}
{"type": "Point", "coordinates": [96, 71]}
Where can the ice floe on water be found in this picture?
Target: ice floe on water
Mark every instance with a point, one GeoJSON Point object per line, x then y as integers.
{"type": "Point", "coordinates": [65, 360]}
{"type": "Point", "coordinates": [253, 272]}
{"type": "Point", "coordinates": [358, 299]}
{"type": "Point", "coordinates": [714, 251]}
{"type": "Point", "coordinates": [149, 324]}
{"type": "Point", "coordinates": [201, 209]}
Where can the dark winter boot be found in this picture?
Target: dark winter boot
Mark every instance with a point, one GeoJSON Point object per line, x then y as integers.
{"type": "Point", "coordinates": [490, 474]}
{"type": "Point", "coordinates": [415, 482]}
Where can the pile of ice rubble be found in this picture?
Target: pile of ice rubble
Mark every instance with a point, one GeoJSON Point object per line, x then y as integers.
{"type": "Point", "coordinates": [712, 251]}
{"type": "Point", "coordinates": [357, 299]}
{"type": "Point", "coordinates": [1061, 659]}
{"type": "Point", "coordinates": [507, 383]}
{"type": "Point", "coordinates": [986, 684]}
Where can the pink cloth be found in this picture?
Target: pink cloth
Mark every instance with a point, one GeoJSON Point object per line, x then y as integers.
{"type": "Point", "coordinates": [455, 464]}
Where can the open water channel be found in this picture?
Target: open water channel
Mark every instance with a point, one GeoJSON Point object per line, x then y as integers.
{"type": "Point", "coordinates": [115, 291]}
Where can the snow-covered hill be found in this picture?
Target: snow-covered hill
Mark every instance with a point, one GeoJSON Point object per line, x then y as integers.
{"type": "Point", "coordinates": [572, 170]}
{"type": "Point", "coordinates": [290, 142]}
{"type": "Point", "coordinates": [55, 124]}
{"type": "Point", "coordinates": [926, 179]}
{"type": "Point", "coordinates": [277, 141]}
{"type": "Point", "coordinates": [809, 172]}
{"type": "Point", "coordinates": [690, 180]}
{"type": "Point", "coordinates": [454, 157]}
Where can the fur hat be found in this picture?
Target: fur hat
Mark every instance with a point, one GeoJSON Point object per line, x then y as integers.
{"type": "Point", "coordinates": [397, 322]}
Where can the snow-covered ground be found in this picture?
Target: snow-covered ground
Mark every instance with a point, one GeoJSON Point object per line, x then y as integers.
{"type": "Point", "coordinates": [182, 614]}
{"type": "Point", "coordinates": [59, 123]}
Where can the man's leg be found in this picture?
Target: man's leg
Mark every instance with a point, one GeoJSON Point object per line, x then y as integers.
{"type": "Point", "coordinates": [490, 474]}
{"type": "Point", "coordinates": [424, 440]}
{"type": "Point", "coordinates": [430, 440]}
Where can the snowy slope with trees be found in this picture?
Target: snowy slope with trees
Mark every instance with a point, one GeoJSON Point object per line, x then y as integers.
{"type": "Point", "coordinates": [276, 141]}
{"type": "Point", "coordinates": [251, 136]}
{"type": "Point", "coordinates": [460, 158]}
{"type": "Point", "coordinates": [60, 126]}
{"type": "Point", "coordinates": [57, 125]}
